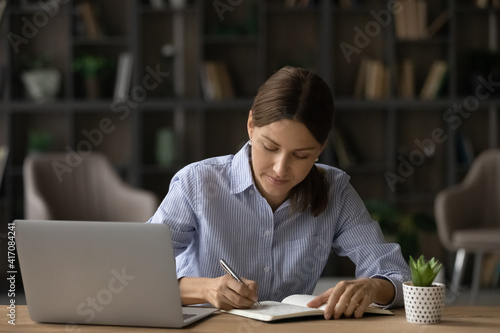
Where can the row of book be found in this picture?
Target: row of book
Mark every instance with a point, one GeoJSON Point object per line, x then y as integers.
{"type": "Point", "coordinates": [486, 3]}
{"type": "Point", "coordinates": [92, 24]}
{"type": "Point", "coordinates": [432, 87]}
{"type": "Point", "coordinates": [347, 155]}
{"type": "Point", "coordinates": [411, 21]}
{"type": "Point", "coordinates": [373, 80]}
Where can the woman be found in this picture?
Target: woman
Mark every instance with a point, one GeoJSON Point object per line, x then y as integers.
{"type": "Point", "coordinates": [273, 214]}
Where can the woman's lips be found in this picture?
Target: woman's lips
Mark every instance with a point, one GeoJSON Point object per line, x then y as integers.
{"type": "Point", "coordinates": [277, 181]}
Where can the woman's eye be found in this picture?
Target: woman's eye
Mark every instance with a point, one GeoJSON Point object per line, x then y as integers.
{"type": "Point", "coordinates": [301, 157]}
{"type": "Point", "coordinates": [269, 149]}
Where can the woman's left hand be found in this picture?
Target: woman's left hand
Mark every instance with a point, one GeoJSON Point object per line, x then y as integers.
{"type": "Point", "coordinates": [352, 297]}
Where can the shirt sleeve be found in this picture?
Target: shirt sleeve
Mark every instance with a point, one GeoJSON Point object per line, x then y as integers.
{"type": "Point", "coordinates": [177, 210]}
{"type": "Point", "coordinates": [360, 238]}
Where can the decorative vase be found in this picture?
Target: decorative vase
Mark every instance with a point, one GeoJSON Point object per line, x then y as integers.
{"type": "Point", "coordinates": [42, 84]}
{"type": "Point", "coordinates": [423, 305]}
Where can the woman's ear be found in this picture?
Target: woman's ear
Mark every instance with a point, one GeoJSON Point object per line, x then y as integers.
{"type": "Point", "coordinates": [250, 125]}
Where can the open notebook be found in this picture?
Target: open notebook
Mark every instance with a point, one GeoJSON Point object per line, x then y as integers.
{"type": "Point", "coordinates": [291, 307]}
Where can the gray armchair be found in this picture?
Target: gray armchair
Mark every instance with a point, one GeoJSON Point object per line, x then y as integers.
{"type": "Point", "coordinates": [468, 217]}
{"type": "Point", "coordinates": [90, 190]}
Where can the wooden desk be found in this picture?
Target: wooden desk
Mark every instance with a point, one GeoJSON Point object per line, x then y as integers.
{"type": "Point", "coordinates": [454, 319]}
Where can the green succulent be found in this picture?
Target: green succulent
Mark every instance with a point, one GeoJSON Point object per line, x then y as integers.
{"type": "Point", "coordinates": [423, 273]}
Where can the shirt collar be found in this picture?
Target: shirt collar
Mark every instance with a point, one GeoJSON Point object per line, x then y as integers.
{"type": "Point", "coordinates": [241, 172]}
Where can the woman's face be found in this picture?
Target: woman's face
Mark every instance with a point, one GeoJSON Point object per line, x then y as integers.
{"type": "Point", "coordinates": [283, 153]}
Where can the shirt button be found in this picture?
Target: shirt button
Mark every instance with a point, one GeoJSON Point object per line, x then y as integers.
{"type": "Point", "coordinates": [251, 191]}
{"type": "Point", "coordinates": [267, 233]}
{"type": "Point", "coordinates": [266, 269]}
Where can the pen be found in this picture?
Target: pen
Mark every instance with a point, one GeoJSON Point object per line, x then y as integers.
{"type": "Point", "coordinates": [230, 271]}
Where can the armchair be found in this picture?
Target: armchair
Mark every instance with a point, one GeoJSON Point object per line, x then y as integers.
{"type": "Point", "coordinates": [90, 190]}
{"type": "Point", "coordinates": [468, 217]}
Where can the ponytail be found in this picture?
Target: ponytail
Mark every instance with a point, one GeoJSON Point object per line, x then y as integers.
{"type": "Point", "coordinates": [312, 191]}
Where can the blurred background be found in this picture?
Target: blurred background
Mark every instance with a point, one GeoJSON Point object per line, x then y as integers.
{"type": "Point", "coordinates": [156, 84]}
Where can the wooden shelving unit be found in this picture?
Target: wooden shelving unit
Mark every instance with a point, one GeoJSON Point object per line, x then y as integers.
{"type": "Point", "coordinates": [253, 40]}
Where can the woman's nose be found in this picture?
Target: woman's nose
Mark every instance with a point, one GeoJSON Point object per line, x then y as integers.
{"type": "Point", "coordinates": [281, 165]}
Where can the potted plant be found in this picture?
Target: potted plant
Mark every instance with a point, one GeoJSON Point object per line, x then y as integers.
{"type": "Point", "coordinates": [94, 71]}
{"type": "Point", "coordinates": [41, 80]}
{"type": "Point", "coordinates": [423, 298]}
{"type": "Point", "coordinates": [40, 141]}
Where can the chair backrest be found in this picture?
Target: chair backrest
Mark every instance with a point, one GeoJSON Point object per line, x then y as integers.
{"type": "Point", "coordinates": [473, 203]}
{"type": "Point", "coordinates": [60, 187]}
{"type": "Point", "coordinates": [484, 178]}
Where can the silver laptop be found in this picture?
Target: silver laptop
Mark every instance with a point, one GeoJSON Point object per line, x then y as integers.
{"type": "Point", "coordinates": [102, 273]}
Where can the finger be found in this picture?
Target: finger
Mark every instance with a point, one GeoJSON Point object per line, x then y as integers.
{"type": "Point", "coordinates": [330, 306]}
{"type": "Point", "coordinates": [343, 304]}
{"type": "Point", "coordinates": [252, 288]}
{"type": "Point", "coordinates": [227, 294]}
{"type": "Point", "coordinates": [240, 295]}
{"type": "Point", "coordinates": [353, 303]}
{"type": "Point", "coordinates": [319, 300]}
{"type": "Point", "coordinates": [350, 308]}
{"type": "Point", "coordinates": [245, 291]}
{"type": "Point", "coordinates": [333, 300]}
{"type": "Point", "coordinates": [236, 300]}
{"type": "Point", "coordinates": [361, 308]}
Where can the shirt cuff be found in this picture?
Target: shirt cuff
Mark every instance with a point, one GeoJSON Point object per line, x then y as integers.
{"type": "Point", "coordinates": [398, 293]}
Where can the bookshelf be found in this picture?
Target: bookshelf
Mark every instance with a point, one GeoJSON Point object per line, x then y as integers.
{"type": "Point", "coordinates": [253, 39]}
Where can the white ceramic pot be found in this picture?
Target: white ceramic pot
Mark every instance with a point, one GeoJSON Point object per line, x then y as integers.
{"type": "Point", "coordinates": [423, 305]}
{"type": "Point", "coordinates": [42, 84]}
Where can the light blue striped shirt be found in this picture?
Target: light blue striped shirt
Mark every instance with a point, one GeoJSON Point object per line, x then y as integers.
{"type": "Point", "coordinates": [215, 211]}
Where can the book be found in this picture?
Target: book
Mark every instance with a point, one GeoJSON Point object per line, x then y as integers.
{"type": "Point", "coordinates": [3, 7]}
{"type": "Point", "coordinates": [375, 79]}
{"type": "Point", "coordinates": [438, 23]}
{"type": "Point", "coordinates": [91, 23]}
{"type": "Point", "coordinates": [4, 154]}
{"type": "Point", "coordinates": [481, 3]}
{"type": "Point", "coordinates": [360, 85]}
{"type": "Point", "coordinates": [216, 81]}
{"type": "Point", "coordinates": [123, 75]}
{"type": "Point", "coordinates": [372, 80]}
{"type": "Point", "coordinates": [293, 306]}
{"type": "Point", "coordinates": [407, 79]}
{"type": "Point", "coordinates": [434, 80]}
{"type": "Point", "coordinates": [411, 20]}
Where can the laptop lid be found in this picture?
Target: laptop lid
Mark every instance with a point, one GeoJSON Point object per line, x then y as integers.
{"type": "Point", "coordinates": [106, 273]}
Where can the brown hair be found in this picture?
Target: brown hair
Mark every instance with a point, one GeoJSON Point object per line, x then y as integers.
{"type": "Point", "coordinates": [301, 95]}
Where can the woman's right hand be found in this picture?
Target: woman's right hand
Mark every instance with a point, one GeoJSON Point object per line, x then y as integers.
{"type": "Point", "coordinates": [223, 292]}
